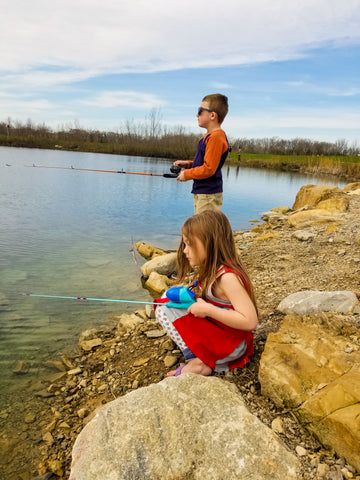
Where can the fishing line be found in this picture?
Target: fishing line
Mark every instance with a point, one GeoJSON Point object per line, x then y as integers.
{"type": "Point", "coordinates": [174, 169]}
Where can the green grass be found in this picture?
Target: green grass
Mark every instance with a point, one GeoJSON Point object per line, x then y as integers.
{"type": "Point", "coordinates": [347, 167]}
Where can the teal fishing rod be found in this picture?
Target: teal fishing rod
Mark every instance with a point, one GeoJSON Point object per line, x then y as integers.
{"type": "Point", "coordinates": [176, 297]}
{"type": "Point", "coordinates": [89, 299]}
{"type": "Point", "coordinates": [175, 170]}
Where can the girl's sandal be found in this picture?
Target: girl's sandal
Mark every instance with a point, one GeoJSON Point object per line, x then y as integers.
{"type": "Point", "coordinates": [178, 371]}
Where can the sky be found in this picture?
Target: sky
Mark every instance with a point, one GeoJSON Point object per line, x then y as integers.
{"type": "Point", "coordinates": [289, 69]}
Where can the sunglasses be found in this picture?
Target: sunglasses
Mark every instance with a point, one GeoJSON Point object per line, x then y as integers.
{"type": "Point", "coordinates": [202, 109]}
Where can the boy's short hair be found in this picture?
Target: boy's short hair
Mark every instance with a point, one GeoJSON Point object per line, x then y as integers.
{"type": "Point", "coordinates": [218, 103]}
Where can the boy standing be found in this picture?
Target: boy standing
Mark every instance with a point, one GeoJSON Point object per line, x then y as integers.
{"type": "Point", "coordinates": [212, 150]}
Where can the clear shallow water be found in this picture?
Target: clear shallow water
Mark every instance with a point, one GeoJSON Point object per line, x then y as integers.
{"type": "Point", "coordinates": [67, 232]}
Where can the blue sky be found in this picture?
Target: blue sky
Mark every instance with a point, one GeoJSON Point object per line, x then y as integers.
{"type": "Point", "coordinates": [290, 69]}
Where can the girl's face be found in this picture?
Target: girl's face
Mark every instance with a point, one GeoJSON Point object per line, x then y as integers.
{"type": "Point", "coordinates": [194, 251]}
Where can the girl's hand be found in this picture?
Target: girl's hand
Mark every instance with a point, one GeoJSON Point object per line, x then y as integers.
{"type": "Point", "coordinates": [200, 308]}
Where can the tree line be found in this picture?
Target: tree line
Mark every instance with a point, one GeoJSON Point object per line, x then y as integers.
{"type": "Point", "coordinates": [152, 138]}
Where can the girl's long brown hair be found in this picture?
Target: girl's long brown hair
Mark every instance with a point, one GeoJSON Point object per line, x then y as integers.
{"type": "Point", "coordinates": [214, 231]}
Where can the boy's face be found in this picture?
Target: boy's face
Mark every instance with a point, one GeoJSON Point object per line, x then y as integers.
{"type": "Point", "coordinates": [206, 117]}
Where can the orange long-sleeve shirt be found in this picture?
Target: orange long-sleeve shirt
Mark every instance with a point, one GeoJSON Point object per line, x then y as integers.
{"type": "Point", "coordinates": [216, 146]}
{"type": "Point", "coordinates": [205, 169]}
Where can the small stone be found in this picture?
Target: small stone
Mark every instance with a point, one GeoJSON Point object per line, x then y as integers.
{"type": "Point", "coordinates": [322, 470]}
{"type": "Point", "coordinates": [30, 418]}
{"type": "Point", "coordinates": [44, 394]}
{"type": "Point", "coordinates": [48, 438]}
{"type": "Point", "coordinates": [277, 425]}
{"type": "Point", "coordinates": [88, 345]}
{"type": "Point", "coordinates": [170, 360]}
{"type": "Point", "coordinates": [155, 333]}
{"type": "Point", "coordinates": [82, 412]}
{"type": "Point", "coordinates": [21, 368]}
{"type": "Point", "coordinates": [53, 388]}
{"type": "Point", "coordinates": [168, 344]}
{"type": "Point", "coordinates": [74, 371]}
{"type": "Point", "coordinates": [346, 474]}
{"type": "Point", "coordinates": [51, 426]}
{"type": "Point", "coordinates": [141, 361]}
{"type": "Point", "coordinates": [304, 235]}
{"type": "Point", "coordinates": [301, 451]}
{"type": "Point", "coordinates": [135, 384]}
{"type": "Point", "coordinates": [315, 462]}
{"type": "Point", "coordinates": [67, 362]}
{"type": "Point", "coordinates": [56, 467]}
{"type": "Point", "coordinates": [149, 309]}
{"type": "Point", "coordinates": [55, 364]}
{"type": "Point", "coordinates": [64, 425]}
{"type": "Point", "coordinates": [334, 475]}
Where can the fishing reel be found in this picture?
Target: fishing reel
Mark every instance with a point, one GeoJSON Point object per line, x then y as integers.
{"type": "Point", "coordinates": [175, 170]}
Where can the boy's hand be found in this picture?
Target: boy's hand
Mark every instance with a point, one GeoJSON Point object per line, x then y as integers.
{"type": "Point", "coordinates": [200, 308]}
{"type": "Point", "coordinates": [181, 176]}
{"type": "Point", "coordinates": [181, 163]}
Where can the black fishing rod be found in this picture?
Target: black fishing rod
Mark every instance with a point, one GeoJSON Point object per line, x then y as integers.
{"type": "Point", "coordinates": [175, 169]}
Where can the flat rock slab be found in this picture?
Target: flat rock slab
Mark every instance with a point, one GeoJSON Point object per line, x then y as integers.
{"type": "Point", "coordinates": [183, 427]}
{"type": "Point", "coordinates": [309, 302]}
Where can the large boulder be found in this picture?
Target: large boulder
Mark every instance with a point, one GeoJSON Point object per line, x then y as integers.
{"type": "Point", "coordinates": [351, 187]}
{"type": "Point", "coordinates": [157, 284]}
{"type": "Point", "coordinates": [163, 264]}
{"type": "Point", "coordinates": [313, 194]}
{"type": "Point", "coordinates": [308, 302]}
{"type": "Point", "coordinates": [315, 216]}
{"type": "Point", "coordinates": [185, 427]}
{"type": "Point", "coordinates": [312, 366]}
{"type": "Point", "coordinates": [148, 251]}
{"type": "Point", "coordinates": [127, 322]}
{"type": "Point", "coordinates": [336, 204]}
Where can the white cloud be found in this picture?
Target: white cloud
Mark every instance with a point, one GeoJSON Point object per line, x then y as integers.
{"type": "Point", "coordinates": [95, 37]}
{"type": "Point", "coordinates": [48, 48]}
{"type": "Point", "coordinates": [111, 99]}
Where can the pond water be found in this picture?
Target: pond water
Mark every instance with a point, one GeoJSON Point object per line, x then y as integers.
{"type": "Point", "coordinates": [70, 233]}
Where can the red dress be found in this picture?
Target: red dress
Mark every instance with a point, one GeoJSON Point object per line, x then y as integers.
{"type": "Point", "coordinates": [219, 346]}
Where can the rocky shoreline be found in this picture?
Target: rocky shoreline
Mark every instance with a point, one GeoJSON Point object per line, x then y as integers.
{"type": "Point", "coordinates": [282, 258]}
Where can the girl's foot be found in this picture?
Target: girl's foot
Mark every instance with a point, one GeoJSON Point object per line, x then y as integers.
{"type": "Point", "coordinates": [195, 365]}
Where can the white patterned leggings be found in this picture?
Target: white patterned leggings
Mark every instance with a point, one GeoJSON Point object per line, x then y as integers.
{"type": "Point", "coordinates": [166, 316]}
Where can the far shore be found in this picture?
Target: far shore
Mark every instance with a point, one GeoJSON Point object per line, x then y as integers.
{"type": "Point", "coordinates": [344, 167]}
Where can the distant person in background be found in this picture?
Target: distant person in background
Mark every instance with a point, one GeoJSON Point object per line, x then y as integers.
{"type": "Point", "coordinates": [212, 150]}
{"type": "Point", "coordinates": [239, 154]}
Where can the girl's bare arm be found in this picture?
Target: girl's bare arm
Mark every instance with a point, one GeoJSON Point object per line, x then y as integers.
{"type": "Point", "coordinates": [229, 287]}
